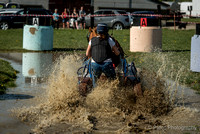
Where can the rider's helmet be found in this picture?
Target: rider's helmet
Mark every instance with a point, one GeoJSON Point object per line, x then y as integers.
{"type": "Point", "coordinates": [102, 28]}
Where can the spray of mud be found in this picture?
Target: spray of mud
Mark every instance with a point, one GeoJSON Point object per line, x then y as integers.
{"type": "Point", "coordinates": [109, 108]}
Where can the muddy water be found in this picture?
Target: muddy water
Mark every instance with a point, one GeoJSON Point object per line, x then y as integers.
{"type": "Point", "coordinates": [110, 108]}
{"type": "Point", "coordinates": [30, 84]}
{"type": "Point", "coordinates": [8, 123]}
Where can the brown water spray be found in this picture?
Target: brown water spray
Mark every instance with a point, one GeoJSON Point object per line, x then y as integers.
{"type": "Point", "coordinates": [109, 104]}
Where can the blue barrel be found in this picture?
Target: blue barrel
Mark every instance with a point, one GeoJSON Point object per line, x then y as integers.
{"type": "Point", "coordinates": [38, 38]}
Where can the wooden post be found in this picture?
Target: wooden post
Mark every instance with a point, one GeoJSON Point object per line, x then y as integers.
{"type": "Point", "coordinates": [197, 29]}
{"type": "Point", "coordinates": [92, 13]}
{"type": "Point", "coordinates": [174, 22]}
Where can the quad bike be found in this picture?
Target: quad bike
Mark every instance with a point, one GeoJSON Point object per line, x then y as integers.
{"type": "Point", "coordinates": [126, 73]}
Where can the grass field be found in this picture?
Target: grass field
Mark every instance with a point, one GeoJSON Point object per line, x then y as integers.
{"type": "Point", "coordinates": [176, 50]}
{"type": "Point", "coordinates": [7, 76]}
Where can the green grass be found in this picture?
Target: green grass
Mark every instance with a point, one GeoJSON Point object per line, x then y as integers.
{"type": "Point", "coordinates": [191, 20]}
{"type": "Point", "coordinates": [11, 39]}
{"type": "Point", "coordinates": [179, 40]}
{"type": "Point", "coordinates": [177, 45]}
{"type": "Point", "coordinates": [66, 40]}
{"type": "Point", "coordinates": [176, 50]}
{"type": "Point", "coordinates": [7, 76]}
{"type": "Point", "coordinates": [70, 39]}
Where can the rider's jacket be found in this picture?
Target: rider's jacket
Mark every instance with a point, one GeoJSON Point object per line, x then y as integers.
{"type": "Point", "coordinates": [100, 49]}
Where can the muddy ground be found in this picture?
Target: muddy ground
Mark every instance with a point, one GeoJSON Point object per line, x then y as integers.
{"type": "Point", "coordinates": [164, 107]}
{"type": "Point", "coordinates": [58, 108]}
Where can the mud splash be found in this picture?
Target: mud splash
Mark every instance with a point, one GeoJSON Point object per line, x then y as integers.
{"type": "Point", "coordinates": [108, 109]}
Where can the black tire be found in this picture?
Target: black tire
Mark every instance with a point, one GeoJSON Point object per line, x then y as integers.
{"type": "Point", "coordinates": [4, 26]}
{"type": "Point", "coordinates": [118, 26]}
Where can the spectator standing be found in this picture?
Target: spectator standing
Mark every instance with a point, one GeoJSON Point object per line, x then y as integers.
{"type": "Point", "coordinates": [56, 19]}
{"type": "Point", "coordinates": [65, 18]}
{"type": "Point", "coordinates": [82, 18]}
{"type": "Point", "coordinates": [75, 16]}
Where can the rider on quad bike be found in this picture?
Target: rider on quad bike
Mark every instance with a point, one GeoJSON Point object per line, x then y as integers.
{"type": "Point", "coordinates": [100, 50]}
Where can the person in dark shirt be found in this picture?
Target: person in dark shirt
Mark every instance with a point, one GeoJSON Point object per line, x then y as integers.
{"type": "Point", "coordinates": [74, 19]}
{"type": "Point", "coordinates": [82, 18]}
{"type": "Point", "coordinates": [100, 50]}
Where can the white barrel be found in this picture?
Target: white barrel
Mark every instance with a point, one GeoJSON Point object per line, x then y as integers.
{"type": "Point", "coordinates": [36, 64]}
{"type": "Point", "coordinates": [145, 39]}
{"type": "Point", "coordinates": [195, 54]}
{"type": "Point", "coordinates": [38, 37]}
